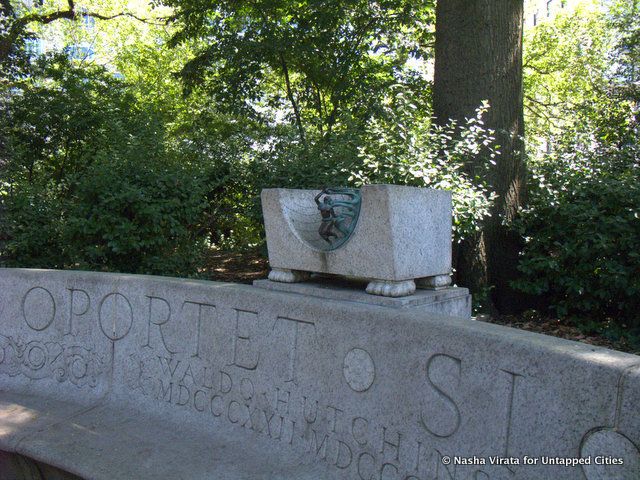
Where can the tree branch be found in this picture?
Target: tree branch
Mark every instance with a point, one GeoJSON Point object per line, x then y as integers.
{"type": "Point", "coordinates": [294, 104]}
{"type": "Point", "coordinates": [130, 15]}
{"type": "Point", "coordinates": [18, 25]}
{"type": "Point", "coordinates": [543, 104]}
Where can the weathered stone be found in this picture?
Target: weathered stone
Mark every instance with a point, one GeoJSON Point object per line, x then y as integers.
{"type": "Point", "coordinates": [116, 377]}
{"type": "Point", "coordinates": [391, 288]}
{"type": "Point", "coordinates": [454, 301]}
{"type": "Point", "coordinates": [436, 282]}
{"type": "Point", "coordinates": [288, 276]}
{"type": "Point", "coordinates": [402, 233]}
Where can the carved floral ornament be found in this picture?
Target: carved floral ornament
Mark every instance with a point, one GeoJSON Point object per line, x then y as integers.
{"type": "Point", "coordinates": [36, 360]}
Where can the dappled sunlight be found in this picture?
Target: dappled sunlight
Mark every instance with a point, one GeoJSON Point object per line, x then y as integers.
{"type": "Point", "coordinates": [14, 417]}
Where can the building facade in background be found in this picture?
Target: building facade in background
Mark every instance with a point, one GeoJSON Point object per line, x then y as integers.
{"type": "Point", "coordinates": [538, 11]}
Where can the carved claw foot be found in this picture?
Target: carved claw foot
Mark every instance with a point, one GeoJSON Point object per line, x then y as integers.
{"type": "Point", "coordinates": [436, 282]}
{"type": "Point", "coordinates": [288, 276]}
{"type": "Point", "coordinates": [391, 288]}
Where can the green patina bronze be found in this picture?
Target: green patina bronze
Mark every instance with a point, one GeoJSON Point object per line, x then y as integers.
{"type": "Point", "coordinates": [339, 211]}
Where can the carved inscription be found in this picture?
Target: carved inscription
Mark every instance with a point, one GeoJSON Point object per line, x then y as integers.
{"type": "Point", "coordinates": [159, 315]}
{"type": "Point", "coordinates": [286, 414]}
{"type": "Point", "coordinates": [297, 331]}
{"type": "Point", "coordinates": [448, 418]}
{"type": "Point", "coordinates": [513, 377]}
{"type": "Point", "coordinates": [64, 362]}
{"type": "Point", "coordinates": [359, 370]}
{"type": "Point", "coordinates": [611, 440]}
{"type": "Point", "coordinates": [174, 365]}
{"type": "Point", "coordinates": [38, 308]}
{"type": "Point", "coordinates": [244, 356]}
{"type": "Point", "coordinates": [202, 307]}
{"type": "Point", "coordinates": [79, 304]}
{"type": "Point", "coordinates": [115, 316]}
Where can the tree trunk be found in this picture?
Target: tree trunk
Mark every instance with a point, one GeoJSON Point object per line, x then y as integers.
{"type": "Point", "coordinates": [478, 56]}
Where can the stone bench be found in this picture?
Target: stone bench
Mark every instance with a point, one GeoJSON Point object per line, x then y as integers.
{"type": "Point", "coordinates": [131, 377]}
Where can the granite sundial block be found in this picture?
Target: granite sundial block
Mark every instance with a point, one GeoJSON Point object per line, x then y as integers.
{"type": "Point", "coordinates": [395, 237]}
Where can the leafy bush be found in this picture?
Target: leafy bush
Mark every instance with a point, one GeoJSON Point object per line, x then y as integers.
{"type": "Point", "coordinates": [582, 228]}
{"type": "Point", "coordinates": [136, 216]}
{"type": "Point", "coordinates": [90, 184]}
{"type": "Point", "coordinates": [398, 148]}
{"type": "Point", "coordinates": [435, 157]}
{"type": "Point", "coordinates": [582, 232]}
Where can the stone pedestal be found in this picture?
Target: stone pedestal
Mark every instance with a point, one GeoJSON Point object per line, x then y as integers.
{"type": "Point", "coordinates": [451, 301]}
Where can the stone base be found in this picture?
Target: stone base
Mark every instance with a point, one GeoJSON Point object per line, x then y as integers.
{"type": "Point", "coordinates": [451, 301]}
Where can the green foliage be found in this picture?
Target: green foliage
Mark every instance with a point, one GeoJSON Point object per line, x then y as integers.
{"type": "Point", "coordinates": [136, 216]}
{"type": "Point", "coordinates": [581, 75]}
{"type": "Point", "coordinates": [90, 184]}
{"type": "Point", "coordinates": [581, 227]}
{"type": "Point", "coordinates": [582, 231]}
{"type": "Point", "coordinates": [321, 66]}
{"type": "Point", "coordinates": [296, 95]}
{"type": "Point", "coordinates": [31, 229]}
{"type": "Point", "coordinates": [401, 150]}
{"type": "Point", "coordinates": [565, 68]}
{"type": "Point", "coordinates": [425, 155]}
{"type": "Point", "coordinates": [625, 21]}
{"type": "Point", "coordinates": [60, 115]}
{"type": "Point", "coordinates": [133, 175]}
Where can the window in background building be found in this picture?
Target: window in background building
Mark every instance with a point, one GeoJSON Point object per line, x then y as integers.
{"type": "Point", "coordinates": [549, 8]}
{"type": "Point", "coordinates": [88, 23]}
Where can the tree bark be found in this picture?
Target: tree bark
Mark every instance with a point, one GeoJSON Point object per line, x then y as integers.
{"type": "Point", "coordinates": [294, 104]}
{"type": "Point", "coordinates": [478, 56]}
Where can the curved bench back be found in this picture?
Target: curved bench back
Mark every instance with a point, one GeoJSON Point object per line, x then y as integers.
{"type": "Point", "coordinates": [369, 391]}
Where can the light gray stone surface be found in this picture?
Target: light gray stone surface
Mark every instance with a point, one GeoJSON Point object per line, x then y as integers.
{"type": "Point", "coordinates": [403, 233]}
{"type": "Point", "coordinates": [451, 301]}
{"type": "Point", "coordinates": [121, 377]}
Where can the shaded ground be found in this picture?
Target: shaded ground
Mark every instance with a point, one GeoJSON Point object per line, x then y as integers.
{"type": "Point", "coordinates": [250, 266]}
{"type": "Point", "coordinates": [536, 322]}
{"type": "Point", "coordinates": [235, 267]}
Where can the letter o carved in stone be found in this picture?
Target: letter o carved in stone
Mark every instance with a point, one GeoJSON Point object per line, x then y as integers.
{"type": "Point", "coordinates": [359, 370]}
{"type": "Point", "coordinates": [38, 308]}
{"type": "Point", "coordinates": [115, 316]}
{"type": "Point", "coordinates": [606, 443]}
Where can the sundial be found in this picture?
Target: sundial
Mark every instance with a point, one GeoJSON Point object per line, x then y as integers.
{"type": "Point", "coordinates": [394, 237]}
